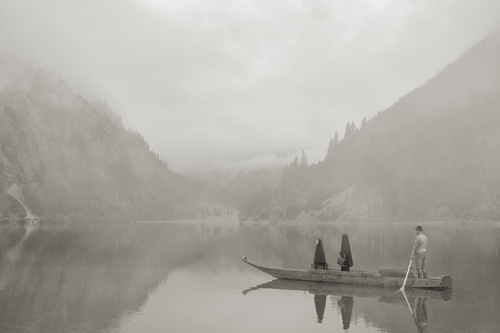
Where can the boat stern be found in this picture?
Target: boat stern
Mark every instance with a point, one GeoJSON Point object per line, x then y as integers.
{"type": "Point", "coordinates": [446, 281]}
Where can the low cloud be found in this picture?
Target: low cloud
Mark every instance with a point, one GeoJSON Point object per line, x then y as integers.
{"type": "Point", "coordinates": [246, 83]}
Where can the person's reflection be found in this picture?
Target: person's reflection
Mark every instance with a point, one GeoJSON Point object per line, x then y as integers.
{"type": "Point", "coordinates": [345, 305]}
{"type": "Point", "coordinates": [320, 303]}
{"type": "Point", "coordinates": [421, 315]}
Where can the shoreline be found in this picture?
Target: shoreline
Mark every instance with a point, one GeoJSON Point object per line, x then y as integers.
{"type": "Point", "coordinates": [310, 223]}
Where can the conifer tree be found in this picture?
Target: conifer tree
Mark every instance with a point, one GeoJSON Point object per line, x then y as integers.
{"type": "Point", "coordinates": [334, 142]}
{"type": "Point", "coordinates": [303, 160]}
{"type": "Point", "coordinates": [331, 145]}
{"type": "Point", "coordinates": [347, 130]}
{"type": "Point", "coordinates": [353, 127]}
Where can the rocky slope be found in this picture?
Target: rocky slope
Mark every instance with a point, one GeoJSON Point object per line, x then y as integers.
{"type": "Point", "coordinates": [61, 154]}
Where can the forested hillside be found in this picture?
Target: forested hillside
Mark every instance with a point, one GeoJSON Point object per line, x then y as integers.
{"type": "Point", "coordinates": [61, 154]}
{"type": "Point", "coordinates": [432, 155]}
{"type": "Point", "coordinates": [231, 187]}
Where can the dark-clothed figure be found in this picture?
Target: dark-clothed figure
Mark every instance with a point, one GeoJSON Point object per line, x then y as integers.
{"type": "Point", "coordinates": [345, 305]}
{"type": "Point", "coordinates": [319, 256]}
{"type": "Point", "coordinates": [320, 303]}
{"type": "Point", "coordinates": [345, 252]}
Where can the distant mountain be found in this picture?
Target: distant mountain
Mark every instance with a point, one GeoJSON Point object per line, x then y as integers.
{"type": "Point", "coordinates": [232, 187]}
{"type": "Point", "coordinates": [61, 154]}
{"type": "Point", "coordinates": [432, 155]}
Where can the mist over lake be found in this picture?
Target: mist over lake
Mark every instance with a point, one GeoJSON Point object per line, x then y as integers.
{"type": "Point", "coordinates": [249, 166]}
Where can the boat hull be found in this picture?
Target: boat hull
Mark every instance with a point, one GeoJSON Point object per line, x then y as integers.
{"type": "Point", "coordinates": [354, 277]}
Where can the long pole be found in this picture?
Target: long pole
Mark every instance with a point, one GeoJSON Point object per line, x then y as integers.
{"type": "Point", "coordinates": [407, 272]}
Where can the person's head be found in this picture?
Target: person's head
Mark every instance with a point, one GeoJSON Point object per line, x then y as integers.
{"type": "Point", "coordinates": [318, 240]}
{"type": "Point", "coordinates": [418, 229]}
{"type": "Point", "coordinates": [344, 245]}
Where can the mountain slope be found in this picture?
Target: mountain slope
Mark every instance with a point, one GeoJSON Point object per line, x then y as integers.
{"type": "Point", "coordinates": [433, 155]}
{"type": "Point", "coordinates": [68, 156]}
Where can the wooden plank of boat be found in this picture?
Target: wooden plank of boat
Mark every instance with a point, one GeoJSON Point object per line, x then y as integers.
{"type": "Point", "coordinates": [320, 288]}
{"type": "Point", "coordinates": [355, 277]}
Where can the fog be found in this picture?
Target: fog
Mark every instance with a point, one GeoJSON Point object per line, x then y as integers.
{"type": "Point", "coordinates": [226, 84]}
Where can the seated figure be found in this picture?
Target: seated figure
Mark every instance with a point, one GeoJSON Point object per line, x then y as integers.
{"type": "Point", "coordinates": [319, 261]}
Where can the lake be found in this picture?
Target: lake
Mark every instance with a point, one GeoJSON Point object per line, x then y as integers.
{"type": "Point", "coordinates": [189, 277]}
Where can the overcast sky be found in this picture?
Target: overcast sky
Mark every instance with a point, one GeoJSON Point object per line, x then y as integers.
{"type": "Point", "coordinates": [239, 84]}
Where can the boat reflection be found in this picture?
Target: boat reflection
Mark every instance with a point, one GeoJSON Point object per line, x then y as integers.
{"type": "Point", "coordinates": [347, 293]}
{"type": "Point", "coordinates": [385, 294]}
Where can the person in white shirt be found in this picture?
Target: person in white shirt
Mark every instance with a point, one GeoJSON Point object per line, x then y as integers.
{"type": "Point", "coordinates": [420, 252]}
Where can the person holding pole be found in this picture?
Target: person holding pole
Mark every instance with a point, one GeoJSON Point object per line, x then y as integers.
{"type": "Point", "coordinates": [420, 252]}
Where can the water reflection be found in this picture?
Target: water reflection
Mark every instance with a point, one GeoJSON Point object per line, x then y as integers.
{"type": "Point", "coordinates": [345, 304]}
{"type": "Point", "coordinates": [319, 304]}
{"type": "Point", "coordinates": [97, 278]}
{"type": "Point", "coordinates": [421, 315]}
{"type": "Point", "coordinates": [347, 293]}
{"type": "Point", "coordinates": [385, 295]}
{"type": "Point", "coordinates": [69, 277]}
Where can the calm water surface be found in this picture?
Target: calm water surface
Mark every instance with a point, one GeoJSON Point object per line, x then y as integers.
{"type": "Point", "coordinates": [174, 277]}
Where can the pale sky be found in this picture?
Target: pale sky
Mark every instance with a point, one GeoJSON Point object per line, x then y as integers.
{"type": "Point", "coordinates": [242, 84]}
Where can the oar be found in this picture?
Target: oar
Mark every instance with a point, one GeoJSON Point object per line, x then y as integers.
{"type": "Point", "coordinates": [407, 272]}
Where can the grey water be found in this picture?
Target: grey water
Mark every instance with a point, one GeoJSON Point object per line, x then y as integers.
{"type": "Point", "coordinates": [189, 277]}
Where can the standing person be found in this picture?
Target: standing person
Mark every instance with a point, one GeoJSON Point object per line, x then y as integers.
{"type": "Point", "coordinates": [345, 252]}
{"type": "Point", "coordinates": [420, 252]}
{"type": "Point", "coordinates": [319, 256]}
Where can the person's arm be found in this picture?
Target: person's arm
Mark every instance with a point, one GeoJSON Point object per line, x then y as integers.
{"type": "Point", "coordinates": [417, 245]}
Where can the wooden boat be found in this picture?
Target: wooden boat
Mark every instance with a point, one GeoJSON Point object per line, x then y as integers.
{"type": "Point", "coordinates": [318, 288]}
{"type": "Point", "coordinates": [354, 277]}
